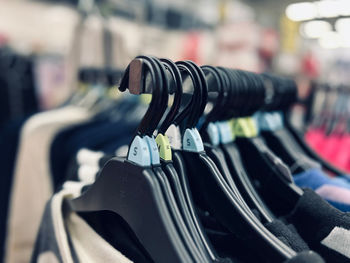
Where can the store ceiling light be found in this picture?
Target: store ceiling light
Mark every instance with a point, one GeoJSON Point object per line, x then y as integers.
{"type": "Point", "coordinates": [343, 7]}
{"type": "Point", "coordinates": [319, 9]}
{"type": "Point", "coordinates": [301, 11]}
{"type": "Point", "coordinates": [327, 8]}
{"type": "Point", "coordinates": [343, 26]}
{"type": "Point", "coordinates": [330, 40]}
{"type": "Point", "coordinates": [315, 29]}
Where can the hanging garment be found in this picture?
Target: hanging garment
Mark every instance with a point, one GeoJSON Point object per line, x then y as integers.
{"type": "Point", "coordinates": [335, 190]}
{"type": "Point", "coordinates": [89, 163]}
{"type": "Point", "coordinates": [324, 228]}
{"type": "Point", "coordinates": [9, 138]}
{"type": "Point", "coordinates": [85, 243]}
{"type": "Point", "coordinates": [32, 185]}
{"type": "Point", "coordinates": [65, 237]}
{"type": "Point", "coordinates": [333, 148]}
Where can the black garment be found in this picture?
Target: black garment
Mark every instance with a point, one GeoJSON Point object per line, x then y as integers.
{"type": "Point", "coordinates": [288, 235]}
{"type": "Point", "coordinates": [117, 233]}
{"type": "Point", "coordinates": [9, 137]}
{"type": "Point", "coordinates": [235, 246]}
{"type": "Point", "coordinates": [93, 135]}
{"type": "Point", "coordinates": [324, 228]}
{"type": "Point", "coordinates": [17, 86]}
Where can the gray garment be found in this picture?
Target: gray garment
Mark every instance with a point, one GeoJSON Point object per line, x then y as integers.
{"type": "Point", "coordinates": [338, 240]}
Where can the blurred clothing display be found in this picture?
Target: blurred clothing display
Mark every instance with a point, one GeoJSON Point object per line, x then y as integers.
{"type": "Point", "coordinates": [65, 152]}
{"type": "Point", "coordinates": [333, 147]}
{"type": "Point", "coordinates": [217, 144]}
{"type": "Point", "coordinates": [32, 162]}
{"type": "Point", "coordinates": [327, 123]}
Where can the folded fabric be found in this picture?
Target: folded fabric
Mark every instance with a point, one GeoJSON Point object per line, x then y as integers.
{"type": "Point", "coordinates": [325, 229]}
{"type": "Point", "coordinates": [335, 190]}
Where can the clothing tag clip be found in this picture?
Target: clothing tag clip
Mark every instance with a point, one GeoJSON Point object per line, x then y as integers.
{"type": "Point", "coordinates": [192, 141]}
{"type": "Point", "coordinates": [139, 152]}
{"type": "Point", "coordinates": [164, 147]}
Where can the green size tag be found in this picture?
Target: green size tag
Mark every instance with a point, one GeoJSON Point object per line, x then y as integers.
{"type": "Point", "coordinates": [231, 124]}
{"type": "Point", "coordinates": [164, 147]}
{"type": "Point", "coordinates": [245, 127]}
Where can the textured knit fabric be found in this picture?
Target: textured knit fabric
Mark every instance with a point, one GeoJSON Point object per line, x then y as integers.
{"type": "Point", "coordinates": [306, 257]}
{"type": "Point", "coordinates": [32, 185]}
{"type": "Point", "coordinates": [315, 220]}
{"type": "Point", "coordinates": [65, 237]}
{"type": "Point", "coordinates": [224, 241]}
{"type": "Point", "coordinates": [335, 190]}
{"type": "Point", "coordinates": [287, 235]}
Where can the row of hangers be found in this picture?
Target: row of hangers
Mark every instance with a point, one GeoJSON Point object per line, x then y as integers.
{"type": "Point", "coordinates": [328, 108]}
{"type": "Point", "coordinates": [188, 156]}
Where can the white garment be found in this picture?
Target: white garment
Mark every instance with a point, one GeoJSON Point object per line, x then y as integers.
{"type": "Point", "coordinates": [32, 186]}
{"type": "Point", "coordinates": [88, 246]}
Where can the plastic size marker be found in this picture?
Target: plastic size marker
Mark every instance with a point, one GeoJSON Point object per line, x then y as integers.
{"type": "Point", "coordinates": [252, 126]}
{"type": "Point", "coordinates": [225, 131]}
{"type": "Point", "coordinates": [174, 135]}
{"type": "Point", "coordinates": [269, 121]}
{"type": "Point", "coordinates": [139, 152]}
{"type": "Point", "coordinates": [164, 147]}
{"type": "Point", "coordinates": [213, 132]}
{"type": "Point", "coordinates": [153, 148]}
{"type": "Point", "coordinates": [245, 127]}
{"type": "Point", "coordinates": [192, 141]}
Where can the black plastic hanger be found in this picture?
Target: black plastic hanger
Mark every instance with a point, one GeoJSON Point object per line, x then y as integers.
{"type": "Point", "coordinates": [215, 84]}
{"type": "Point", "coordinates": [179, 181]}
{"type": "Point", "coordinates": [212, 192]}
{"type": "Point", "coordinates": [280, 141]}
{"type": "Point", "coordinates": [177, 91]}
{"type": "Point", "coordinates": [291, 148]}
{"type": "Point", "coordinates": [171, 174]}
{"type": "Point", "coordinates": [217, 155]}
{"type": "Point", "coordinates": [131, 190]}
{"type": "Point", "coordinates": [263, 165]}
{"type": "Point", "coordinates": [236, 168]}
{"type": "Point", "coordinates": [173, 207]}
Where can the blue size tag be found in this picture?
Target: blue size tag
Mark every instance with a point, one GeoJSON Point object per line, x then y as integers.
{"type": "Point", "coordinates": [213, 132]}
{"type": "Point", "coordinates": [192, 141]}
{"type": "Point", "coordinates": [225, 131]}
{"type": "Point", "coordinates": [269, 121]}
{"type": "Point", "coordinates": [139, 152]}
{"type": "Point", "coordinates": [153, 148]}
